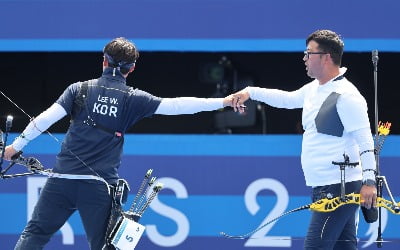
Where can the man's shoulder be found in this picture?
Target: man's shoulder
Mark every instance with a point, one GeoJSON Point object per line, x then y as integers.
{"type": "Point", "coordinates": [138, 92]}
{"type": "Point", "coordinates": [77, 85]}
{"type": "Point", "coordinates": [346, 87]}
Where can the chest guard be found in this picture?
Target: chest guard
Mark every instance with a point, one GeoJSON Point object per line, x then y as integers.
{"type": "Point", "coordinates": [327, 120]}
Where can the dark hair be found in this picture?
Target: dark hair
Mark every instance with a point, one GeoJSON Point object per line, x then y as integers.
{"type": "Point", "coordinates": [121, 53]}
{"type": "Point", "coordinates": [329, 42]}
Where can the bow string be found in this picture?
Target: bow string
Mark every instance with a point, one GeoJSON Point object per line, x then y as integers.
{"type": "Point", "coordinates": [35, 167]}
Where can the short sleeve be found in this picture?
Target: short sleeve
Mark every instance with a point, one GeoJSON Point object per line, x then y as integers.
{"type": "Point", "coordinates": [143, 103]}
{"type": "Point", "coordinates": [66, 100]}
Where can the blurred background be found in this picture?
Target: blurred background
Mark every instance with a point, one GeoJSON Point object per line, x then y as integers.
{"type": "Point", "coordinates": [201, 48]}
{"type": "Point", "coordinates": [35, 80]}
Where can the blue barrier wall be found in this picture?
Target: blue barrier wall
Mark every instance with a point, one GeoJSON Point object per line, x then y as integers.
{"type": "Point", "coordinates": [213, 183]}
{"type": "Point", "coordinates": [195, 25]}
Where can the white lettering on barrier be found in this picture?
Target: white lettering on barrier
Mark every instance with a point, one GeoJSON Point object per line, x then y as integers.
{"type": "Point", "coordinates": [180, 219]}
{"type": "Point", "coordinates": [34, 186]}
{"type": "Point", "coordinates": [260, 238]}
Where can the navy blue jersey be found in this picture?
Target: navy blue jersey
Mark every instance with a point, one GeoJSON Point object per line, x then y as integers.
{"type": "Point", "coordinates": [113, 107]}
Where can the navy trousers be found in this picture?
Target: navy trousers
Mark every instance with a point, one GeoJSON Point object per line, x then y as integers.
{"type": "Point", "coordinates": [337, 229]}
{"type": "Point", "coordinates": [58, 200]}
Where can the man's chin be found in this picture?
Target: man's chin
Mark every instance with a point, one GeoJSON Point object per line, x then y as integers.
{"type": "Point", "coordinates": [310, 75]}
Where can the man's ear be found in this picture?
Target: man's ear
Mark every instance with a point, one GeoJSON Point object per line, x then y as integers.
{"type": "Point", "coordinates": [105, 62]}
{"type": "Point", "coordinates": [329, 57]}
{"type": "Point", "coordinates": [132, 68]}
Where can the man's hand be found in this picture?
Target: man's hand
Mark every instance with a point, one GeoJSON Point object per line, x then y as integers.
{"type": "Point", "coordinates": [9, 152]}
{"type": "Point", "coordinates": [238, 100]}
{"type": "Point", "coordinates": [368, 196]}
{"type": "Point", "coordinates": [228, 101]}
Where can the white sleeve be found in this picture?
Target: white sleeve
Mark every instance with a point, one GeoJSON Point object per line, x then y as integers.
{"type": "Point", "coordinates": [353, 112]}
{"type": "Point", "coordinates": [38, 125]}
{"type": "Point", "coordinates": [188, 105]}
{"type": "Point", "coordinates": [278, 98]}
{"type": "Point", "coordinates": [363, 137]}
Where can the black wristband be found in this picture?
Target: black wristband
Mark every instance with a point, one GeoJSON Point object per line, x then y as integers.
{"type": "Point", "coordinates": [369, 182]}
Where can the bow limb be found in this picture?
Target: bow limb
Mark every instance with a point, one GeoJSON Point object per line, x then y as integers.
{"type": "Point", "coordinates": [389, 205]}
{"type": "Point", "coordinates": [324, 205]}
{"type": "Point", "coordinates": [31, 163]}
{"type": "Point", "coordinates": [329, 205]}
{"type": "Point", "coordinates": [35, 167]}
{"type": "Point", "coordinates": [248, 235]}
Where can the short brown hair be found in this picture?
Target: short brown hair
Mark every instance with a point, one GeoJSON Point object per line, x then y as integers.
{"type": "Point", "coordinates": [122, 52]}
{"type": "Point", "coordinates": [329, 42]}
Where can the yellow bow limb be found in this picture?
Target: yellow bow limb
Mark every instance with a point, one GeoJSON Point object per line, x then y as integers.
{"type": "Point", "coordinates": [329, 205]}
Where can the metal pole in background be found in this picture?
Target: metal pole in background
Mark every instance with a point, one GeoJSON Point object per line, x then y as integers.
{"type": "Point", "coordinates": [379, 180]}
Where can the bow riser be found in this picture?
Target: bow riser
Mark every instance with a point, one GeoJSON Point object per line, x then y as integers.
{"type": "Point", "coordinates": [329, 205]}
